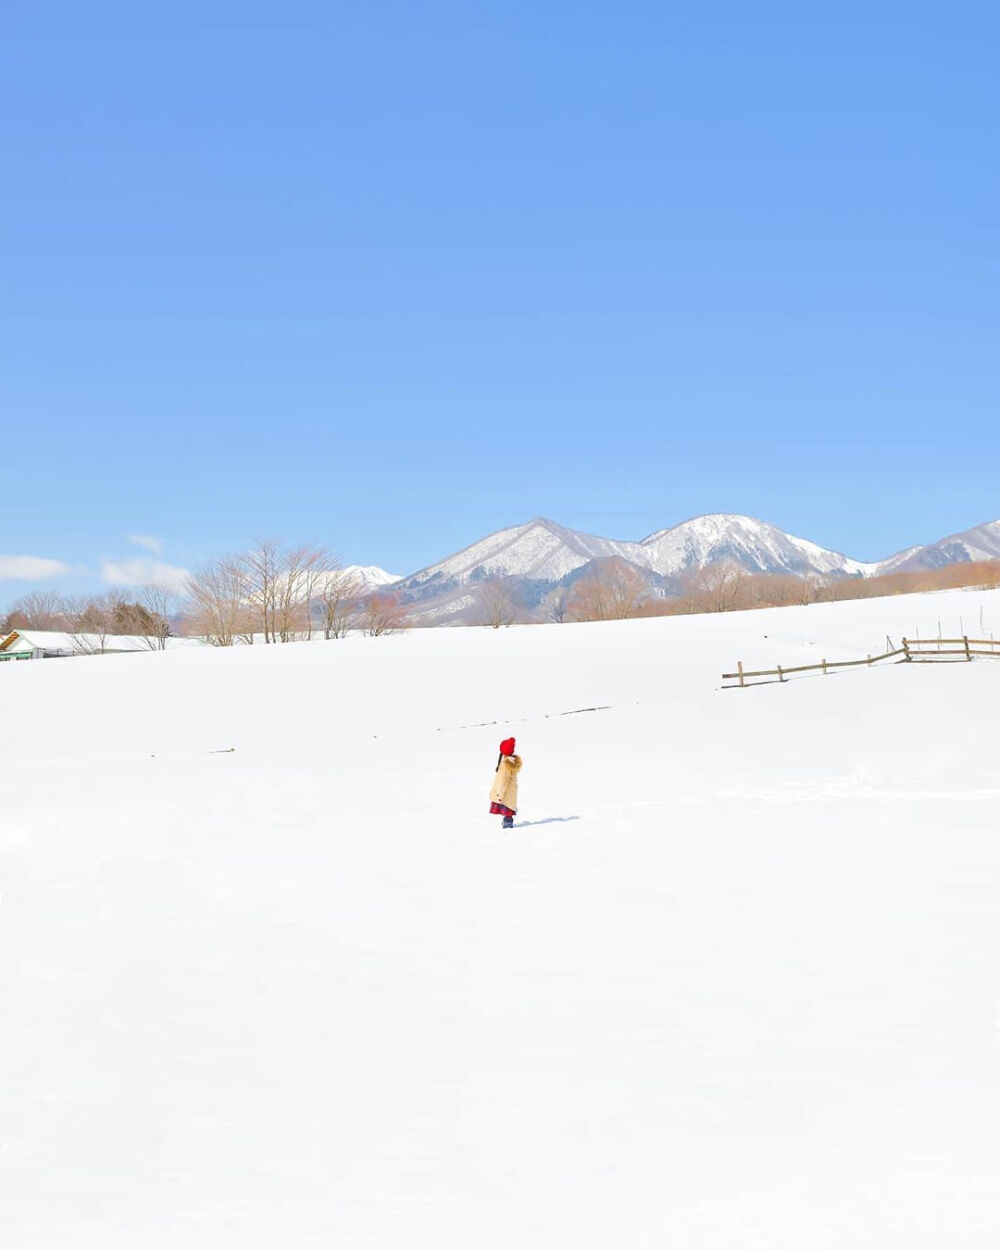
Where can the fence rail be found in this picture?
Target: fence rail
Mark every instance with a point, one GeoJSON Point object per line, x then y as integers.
{"type": "Point", "coordinates": [918, 650]}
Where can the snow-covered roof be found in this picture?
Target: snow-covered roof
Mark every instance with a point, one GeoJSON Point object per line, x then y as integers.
{"type": "Point", "coordinates": [70, 644]}
{"type": "Point", "coordinates": [14, 642]}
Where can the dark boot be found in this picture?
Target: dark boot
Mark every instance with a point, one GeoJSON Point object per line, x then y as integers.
{"type": "Point", "coordinates": [508, 822]}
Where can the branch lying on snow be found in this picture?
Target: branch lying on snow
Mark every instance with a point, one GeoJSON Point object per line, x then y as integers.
{"type": "Point", "coordinates": [606, 707]}
{"type": "Point", "coordinates": [485, 724]}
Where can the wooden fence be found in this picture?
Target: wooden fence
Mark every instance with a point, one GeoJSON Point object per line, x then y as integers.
{"type": "Point", "coordinates": [919, 650]}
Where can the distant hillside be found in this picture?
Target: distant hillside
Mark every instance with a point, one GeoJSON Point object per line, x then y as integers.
{"type": "Point", "coordinates": [982, 542]}
{"type": "Point", "coordinates": [540, 557]}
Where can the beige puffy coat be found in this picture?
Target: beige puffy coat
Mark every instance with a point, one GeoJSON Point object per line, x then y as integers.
{"type": "Point", "coordinates": [505, 784]}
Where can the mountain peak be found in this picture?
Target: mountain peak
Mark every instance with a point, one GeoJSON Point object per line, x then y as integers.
{"type": "Point", "coordinates": [711, 522]}
{"type": "Point", "coordinates": [755, 545]}
{"type": "Point", "coordinates": [370, 575]}
{"type": "Point", "coordinates": [539, 550]}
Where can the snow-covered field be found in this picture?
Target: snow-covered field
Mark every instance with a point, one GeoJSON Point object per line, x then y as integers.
{"type": "Point", "coordinates": [272, 977]}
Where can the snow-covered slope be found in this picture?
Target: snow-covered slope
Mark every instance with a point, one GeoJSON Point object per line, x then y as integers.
{"type": "Point", "coordinates": [894, 563]}
{"type": "Point", "coordinates": [754, 545]}
{"type": "Point", "coordinates": [540, 550]}
{"type": "Point", "coordinates": [271, 975]}
{"type": "Point", "coordinates": [982, 542]}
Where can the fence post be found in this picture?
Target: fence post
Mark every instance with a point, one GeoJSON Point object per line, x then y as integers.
{"type": "Point", "coordinates": [781, 675]}
{"type": "Point", "coordinates": [906, 649]}
{"type": "Point", "coordinates": [968, 653]}
{"type": "Point", "coordinates": [739, 665]}
{"type": "Point", "coordinates": [869, 658]}
{"type": "Point", "coordinates": [824, 667]}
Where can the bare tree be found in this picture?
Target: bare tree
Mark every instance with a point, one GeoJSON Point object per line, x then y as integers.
{"type": "Point", "coordinates": [720, 587]}
{"type": "Point", "coordinates": [89, 621]}
{"type": "Point", "coordinates": [496, 602]}
{"type": "Point", "coordinates": [338, 593]}
{"type": "Point", "coordinates": [219, 607]}
{"type": "Point", "coordinates": [300, 570]}
{"type": "Point", "coordinates": [41, 609]}
{"type": "Point", "coordinates": [778, 590]}
{"type": "Point", "coordinates": [628, 588]}
{"type": "Point", "coordinates": [268, 590]}
{"type": "Point", "coordinates": [382, 614]}
{"type": "Point", "coordinates": [557, 605]}
{"type": "Point", "coordinates": [588, 600]}
{"type": "Point", "coordinates": [154, 608]}
{"type": "Point", "coordinates": [260, 572]}
{"type": "Point", "coordinates": [614, 591]}
{"type": "Point", "coordinates": [281, 584]}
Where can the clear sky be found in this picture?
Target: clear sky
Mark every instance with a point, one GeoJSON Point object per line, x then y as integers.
{"type": "Point", "coordinates": [391, 276]}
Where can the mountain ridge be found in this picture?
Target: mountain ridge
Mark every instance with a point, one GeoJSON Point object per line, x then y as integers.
{"type": "Point", "coordinates": [540, 555]}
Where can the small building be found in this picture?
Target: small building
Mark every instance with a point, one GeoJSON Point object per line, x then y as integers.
{"type": "Point", "coordinates": [16, 647]}
{"type": "Point", "coordinates": [40, 644]}
{"type": "Point", "coordinates": [46, 644]}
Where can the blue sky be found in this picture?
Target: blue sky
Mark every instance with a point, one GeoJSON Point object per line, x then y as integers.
{"type": "Point", "coordinates": [393, 276]}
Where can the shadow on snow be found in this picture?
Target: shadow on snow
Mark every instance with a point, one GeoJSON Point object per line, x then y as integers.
{"type": "Point", "coordinates": [548, 820]}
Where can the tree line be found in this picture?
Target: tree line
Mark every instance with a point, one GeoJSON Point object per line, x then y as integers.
{"type": "Point", "coordinates": [271, 593]}
{"type": "Point", "coordinates": [614, 589]}
{"type": "Point", "coordinates": [268, 593]}
{"type": "Point", "coordinates": [91, 620]}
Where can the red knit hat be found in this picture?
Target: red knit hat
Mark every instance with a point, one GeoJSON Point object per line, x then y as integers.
{"type": "Point", "coordinates": [507, 746]}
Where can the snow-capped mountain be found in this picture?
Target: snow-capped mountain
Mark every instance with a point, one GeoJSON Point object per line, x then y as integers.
{"type": "Point", "coordinates": [541, 550]}
{"type": "Point", "coordinates": [752, 544]}
{"type": "Point", "coordinates": [372, 577]}
{"type": "Point", "coordinates": [541, 555]}
{"type": "Point", "coordinates": [982, 542]}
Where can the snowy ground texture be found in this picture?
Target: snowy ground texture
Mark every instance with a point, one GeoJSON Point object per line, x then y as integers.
{"type": "Point", "coordinates": [272, 976]}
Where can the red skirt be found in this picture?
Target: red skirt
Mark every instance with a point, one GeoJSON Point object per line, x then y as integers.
{"type": "Point", "coordinates": [498, 809]}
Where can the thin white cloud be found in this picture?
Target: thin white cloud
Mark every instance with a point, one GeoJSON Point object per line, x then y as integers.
{"type": "Point", "coordinates": [30, 568]}
{"type": "Point", "coordinates": [141, 571]}
{"type": "Point", "coordinates": [146, 540]}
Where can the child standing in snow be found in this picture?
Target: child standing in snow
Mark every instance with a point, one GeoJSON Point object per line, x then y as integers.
{"type": "Point", "coordinates": [503, 796]}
